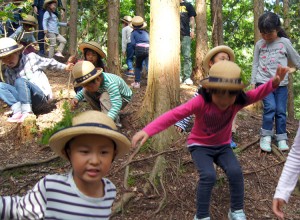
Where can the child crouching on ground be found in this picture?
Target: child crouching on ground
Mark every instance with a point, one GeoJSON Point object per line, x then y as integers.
{"type": "Point", "coordinates": [104, 92]}
{"type": "Point", "coordinates": [221, 97]}
{"type": "Point", "coordinates": [91, 144]}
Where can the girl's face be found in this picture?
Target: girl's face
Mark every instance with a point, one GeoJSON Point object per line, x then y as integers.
{"type": "Point", "coordinates": [52, 6]}
{"type": "Point", "coordinates": [93, 85]}
{"type": "Point", "coordinates": [11, 60]}
{"type": "Point", "coordinates": [91, 56]}
{"type": "Point", "coordinates": [91, 157]}
{"type": "Point", "coordinates": [219, 57]}
{"type": "Point", "coordinates": [269, 37]}
{"type": "Point", "coordinates": [223, 98]}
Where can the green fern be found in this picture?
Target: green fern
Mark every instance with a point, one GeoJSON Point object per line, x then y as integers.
{"type": "Point", "coordinates": [64, 123]}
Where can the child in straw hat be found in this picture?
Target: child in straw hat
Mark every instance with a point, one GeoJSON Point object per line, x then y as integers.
{"type": "Point", "coordinates": [24, 33]}
{"type": "Point", "coordinates": [26, 88]}
{"type": "Point", "coordinates": [213, 56]}
{"type": "Point", "coordinates": [127, 48]}
{"type": "Point", "coordinates": [219, 100]}
{"type": "Point", "coordinates": [104, 92]}
{"type": "Point", "coordinates": [50, 27]}
{"type": "Point", "coordinates": [91, 144]}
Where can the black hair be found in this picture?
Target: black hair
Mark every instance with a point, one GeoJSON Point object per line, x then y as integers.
{"type": "Point", "coordinates": [99, 63]}
{"type": "Point", "coordinates": [241, 98]}
{"type": "Point", "coordinates": [269, 22]}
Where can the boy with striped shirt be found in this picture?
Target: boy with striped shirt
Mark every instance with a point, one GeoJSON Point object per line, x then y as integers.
{"type": "Point", "coordinates": [105, 92]}
{"type": "Point", "coordinates": [91, 144]}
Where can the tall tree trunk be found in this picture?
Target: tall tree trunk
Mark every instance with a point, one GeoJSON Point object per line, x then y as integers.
{"type": "Point", "coordinates": [162, 92]}
{"type": "Point", "coordinates": [286, 25]}
{"type": "Point", "coordinates": [113, 62]}
{"type": "Point", "coordinates": [140, 8]}
{"type": "Point", "coordinates": [201, 40]}
{"type": "Point", "coordinates": [258, 11]}
{"type": "Point", "coordinates": [217, 22]}
{"type": "Point", "coordinates": [63, 31]}
{"type": "Point", "coordinates": [73, 27]}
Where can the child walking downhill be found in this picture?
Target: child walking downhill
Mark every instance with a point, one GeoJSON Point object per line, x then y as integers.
{"type": "Point", "coordinates": [127, 48]}
{"type": "Point", "coordinates": [50, 27]}
{"type": "Point", "coordinates": [274, 48]}
{"type": "Point", "coordinates": [288, 179]}
{"type": "Point", "coordinates": [140, 43]}
{"type": "Point", "coordinates": [213, 56]}
{"type": "Point", "coordinates": [219, 100]}
{"type": "Point", "coordinates": [91, 144]}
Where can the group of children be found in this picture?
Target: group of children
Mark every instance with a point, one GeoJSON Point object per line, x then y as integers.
{"type": "Point", "coordinates": [92, 143]}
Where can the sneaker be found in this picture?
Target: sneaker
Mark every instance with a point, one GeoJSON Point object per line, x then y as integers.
{"type": "Point", "coordinates": [265, 143]}
{"type": "Point", "coordinates": [207, 218]}
{"type": "Point", "coordinates": [59, 54]}
{"type": "Point", "coordinates": [136, 85]}
{"type": "Point", "coordinates": [15, 117]}
{"type": "Point", "coordinates": [26, 116]}
{"type": "Point", "coordinates": [282, 145]}
{"type": "Point", "coordinates": [237, 215]}
{"type": "Point", "coordinates": [188, 81]}
{"type": "Point", "coordinates": [118, 122]}
{"type": "Point", "coordinates": [129, 74]}
{"type": "Point", "coordinates": [233, 145]}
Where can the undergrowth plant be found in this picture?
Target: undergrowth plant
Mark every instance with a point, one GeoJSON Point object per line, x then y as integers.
{"type": "Point", "coordinates": [64, 123]}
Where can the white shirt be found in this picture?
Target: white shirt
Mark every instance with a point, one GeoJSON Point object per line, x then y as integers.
{"type": "Point", "coordinates": [126, 33]}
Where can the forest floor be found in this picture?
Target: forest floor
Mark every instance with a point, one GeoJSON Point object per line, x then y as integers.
{"type": "Point", "coordinates": [174, 198]}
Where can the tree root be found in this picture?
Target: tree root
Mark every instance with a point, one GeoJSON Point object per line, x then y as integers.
{"type": "Point", "coordinates": [118, 207]}
{"type": "Point", "coordinates": [265, 168]}
{"type": "Point", "coordinates": [249, 145]}
{"type": "Point", "coordinates": [30, 163]}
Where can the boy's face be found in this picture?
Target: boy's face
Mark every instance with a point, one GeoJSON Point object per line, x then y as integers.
{"type": "Point", "coordinates": [11, 60]}
{"type": "Point", "coordinates": [91, 157]}
{"type": "Point", "coordinates": [91, 56]}
{"type": "Point", "coordinates": [93, 86]}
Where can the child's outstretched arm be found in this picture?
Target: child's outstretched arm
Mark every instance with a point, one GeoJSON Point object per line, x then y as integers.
{"type": "Point", "coordinates": [141, 137]}
{"type": "Point", "coordinates": [277, 208]}
{"type": "Point", "coordinates": [280, 74]}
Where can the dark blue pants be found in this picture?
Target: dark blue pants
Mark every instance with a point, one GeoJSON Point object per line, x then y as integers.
{"type": "Point", "coordinates": [223, 156]}
{"type": "Point", "coordinates": [41, 34]}
{"type": "Point", "coordinates": [141, 54]}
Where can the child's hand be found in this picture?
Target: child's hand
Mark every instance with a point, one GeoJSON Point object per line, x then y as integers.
{"type": "Point", "coordinates": [277, 208]}
{"type": "Point", "coordinates": [141, 137]}
{"type": "Point", "coordinates": [178, 129]}
{"type": "Point", "coordinates": [74, 103]}
{"type": "Point", "coordinates": [69, 66]}
{"type": "Point", "coordinates": [280, 74]}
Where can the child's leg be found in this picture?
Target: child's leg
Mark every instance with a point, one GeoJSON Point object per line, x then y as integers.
{"type": "Point", "coordinates": [62, 42]}
{"type": "Point", "coordinates": [105, 102]}
{"type": "Point", "coordinates": [269, 114]}
{"type": "Point", "coordinates": [203, 160]}
{"type": "Point", "coordinates": [228, 162]}
{"type": "Point", "coordinates": [129, 56]}
{"type": "Point", "coordinates": [281, 95]}
{"type": "Point", "coordinates": [138, 63]}
{"type": "Point", "coordinates": [52, 39]}
{"type": "Point", "coordinates": [93, 99]}
{"type": "Point", "coordinates": [8, 94]}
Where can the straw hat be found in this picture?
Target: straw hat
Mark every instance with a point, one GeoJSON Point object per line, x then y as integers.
{"type": "Point", "coordinates": [127, 19]}
{"type": "Point", "coordinates": [93, 46]}
{"type": "Point", "coordinates": [224, 75]}
{"type": "Point", "coordinates": [84, 72]}
{"type": "Point", "coordinates": [138, 23]}
{"type": "Point", "coordinates": [29, 19]}
{"type": "Point", "coordinates": [90, 122]}
{"type": "Point", "coordinates": [9, 46]}
{"type": "Point", "coordinates": [46, 2]}
{"type": "Point", "coordinates": [213, 52]}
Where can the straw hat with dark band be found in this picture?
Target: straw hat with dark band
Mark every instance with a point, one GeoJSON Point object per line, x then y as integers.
{"type": "Point", "coordinates": [84, 72]}
{"type": "Point", "coordinates": [210, 54]}
{"type": "Point", "coordinates": [93, 46]}
{"type": "Point", "coordinates": [90, 122]}
{"type": "Point", "coordinates": [9, 46]}
{"type": "Point", "coordinates": [225, 75]}
{"type": "Point", "coordinates": [138, 23]}
{"type": "Point", "coordinates": [46, 2]}
{"type": "Point", "coordinates": [127, 19]}
{"type": "Point", "coordinates": [29, 19]}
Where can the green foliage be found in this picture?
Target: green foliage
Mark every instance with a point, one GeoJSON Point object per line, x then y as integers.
{"type": "Point", "coordinates": [64, 123]}
{"type": "Point", "coordinates": [131, 181]}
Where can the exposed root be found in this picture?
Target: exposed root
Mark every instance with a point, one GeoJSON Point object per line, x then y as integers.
{"type": "Point", "coordinates": [119, 206]}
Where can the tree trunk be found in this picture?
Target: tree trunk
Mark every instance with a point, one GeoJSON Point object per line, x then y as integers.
{"type": "Point", "coordinates": [63, 31]}
{"type": "Point", "coordinates": [217, 22]}
{"type": "Point", "coordinates": [140, 8]}
{"type": "Point", "coordinates": [162, 92]}
{"type": "Point", "coordinates": [73, 27]}
{"type": "Point", "coordinates": [201, 40]}
{"type": "Point", "coordinates": [113, 62]}
{"type": "Point", "coordinates": [286, 25]}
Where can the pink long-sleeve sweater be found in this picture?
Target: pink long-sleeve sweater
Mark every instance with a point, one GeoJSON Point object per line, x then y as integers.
{"type": "Point", "coordinates": [212, 126]}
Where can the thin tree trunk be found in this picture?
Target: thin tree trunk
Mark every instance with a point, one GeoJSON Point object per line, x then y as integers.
{"type": "Point", "coordinates": [258, 11]}
{"type": "Point", "coordinates": [217, 22]}
{"type": "Point", "coordinates": [140, 8]}
{"type": "Point", "coordinates": [73, 27]}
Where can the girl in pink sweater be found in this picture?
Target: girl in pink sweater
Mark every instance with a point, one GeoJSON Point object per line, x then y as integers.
{"type": "Point", "coordinates": [221, 97]}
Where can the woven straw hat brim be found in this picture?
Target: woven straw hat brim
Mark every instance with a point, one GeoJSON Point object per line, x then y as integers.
{"type": "Point", "coordinates": [136, 27]}
{"type": "Point", "coordinates": [224, 86]}
{"type": "Point", "coordinates": [213, 52]}
{"type": "Point", "coordinates": [47, 2]}
{"type": "Point", "coordinates": [93, 47]}
{"type": "Point", "coordinates": [125, 21]}
{"type": "Point", "coordinates": [99, 72]}
{"type": "Point", "coordinates": [4, 54]}
{"type": "Point", "coordinates": [29, 22]}
{"type": "Point", "coordinates": [58, 141]}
